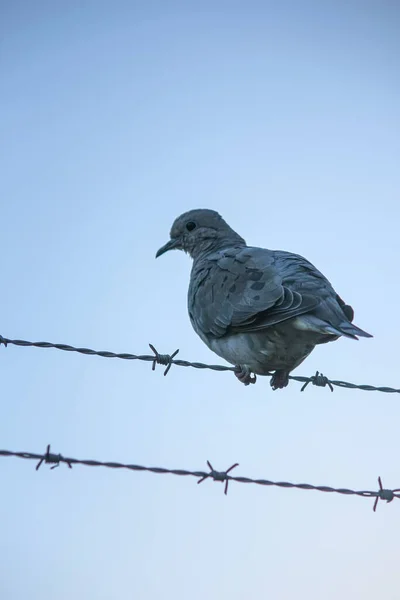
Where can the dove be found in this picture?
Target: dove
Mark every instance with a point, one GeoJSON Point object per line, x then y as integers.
{"type": "Point", "coordinates": [263, 311]}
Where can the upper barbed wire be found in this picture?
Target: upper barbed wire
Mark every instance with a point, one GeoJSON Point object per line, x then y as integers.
{"type": "Point", "coordinates": [168, 360]}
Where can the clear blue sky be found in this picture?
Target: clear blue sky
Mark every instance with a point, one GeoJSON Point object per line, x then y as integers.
{"type": "Point", "coordinates": [115, 118]}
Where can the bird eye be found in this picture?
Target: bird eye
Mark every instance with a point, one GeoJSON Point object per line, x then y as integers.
{"type": "Point", "coordinates": [190, 226]}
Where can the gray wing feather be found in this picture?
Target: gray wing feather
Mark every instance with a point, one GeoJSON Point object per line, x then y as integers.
{"type": "Point", "coordinates": [243, 289]}
{"type": "Point", "coordinates": [300, 275]}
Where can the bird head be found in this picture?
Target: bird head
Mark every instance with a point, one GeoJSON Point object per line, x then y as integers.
{"type": "Point", "coordinates": [199, 231]}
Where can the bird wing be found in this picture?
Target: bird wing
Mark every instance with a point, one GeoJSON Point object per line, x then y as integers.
{"type": "Point", "coordinates": [244, 290]}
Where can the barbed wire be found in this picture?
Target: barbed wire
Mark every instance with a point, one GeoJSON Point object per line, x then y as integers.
{"type": "Point", "coordinates": [168, 360]}
{"type": "Point", "coordinates": [222, 476]}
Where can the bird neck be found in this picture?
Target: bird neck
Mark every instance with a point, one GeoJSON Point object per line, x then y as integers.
{"type": "Point", "coordinates": [208, 246]}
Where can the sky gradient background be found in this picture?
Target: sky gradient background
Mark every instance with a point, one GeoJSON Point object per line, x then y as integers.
{"type": "Point", "coordinates": [115, 118]}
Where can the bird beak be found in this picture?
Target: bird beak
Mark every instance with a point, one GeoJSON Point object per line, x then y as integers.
{"type": "Point", "coordinates": [173, 244]}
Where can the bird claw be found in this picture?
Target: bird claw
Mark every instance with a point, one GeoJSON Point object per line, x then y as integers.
{"type": "Point", "coordinates": [279, 380]}
{"type": "Point", "coordinates": [244, 375]}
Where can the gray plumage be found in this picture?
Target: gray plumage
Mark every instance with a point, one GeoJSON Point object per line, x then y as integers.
{"type": "Point", "coordinates": [261, 310]}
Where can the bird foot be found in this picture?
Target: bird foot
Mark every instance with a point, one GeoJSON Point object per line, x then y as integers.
{"type": "Point", "coordinates": [279, 380]}
{"type": "Point", "coordinates": [244, 375]}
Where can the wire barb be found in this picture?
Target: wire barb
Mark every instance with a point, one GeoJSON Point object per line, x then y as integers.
{"type": "Point", "coordinates": [163, 359]}
{"type": "Point", "coordinates": [384, 494]}
{"type": "Point", "coordinates": [218, 475]}
{"type": "Point", "coordinates": [319, 380]}
{"type": "Point", "coordinates": [54, 459]}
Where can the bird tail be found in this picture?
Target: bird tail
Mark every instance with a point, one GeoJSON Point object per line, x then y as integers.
{"type": "Point", "coordinates": [352, 331]}
{"type": "Point", "coordinates": [337, 317]}
{"type": "Point", "coordinates": [348, 330]}
{"type": "Point", "coordinates": [321, 324]}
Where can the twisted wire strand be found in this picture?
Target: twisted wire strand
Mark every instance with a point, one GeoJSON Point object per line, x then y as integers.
{"type": "Point", "coordinates": [168, 360]}
{"type": "Point", "coordinates": [222, 476]}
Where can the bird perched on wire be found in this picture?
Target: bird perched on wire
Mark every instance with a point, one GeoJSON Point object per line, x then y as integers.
{"type": "Point", "coordinates": [261, 310]}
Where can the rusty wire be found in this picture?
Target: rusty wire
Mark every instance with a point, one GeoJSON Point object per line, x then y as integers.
{"type": "Point", "coordinates": [169, 359]}
{"type": "Point", "coordinates": [222, 476]}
